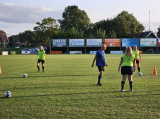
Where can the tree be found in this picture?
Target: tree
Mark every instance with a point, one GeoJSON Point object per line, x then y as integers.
{"type": "Point", "coordinates": [158, 33]}
{"type": "Point", "coordinates": [124, 25]}
{"type": "Point", "coordinates": [45, 30]}
{"type": "Point", "coordinates": [134, 26]}
{"type": "Point", "coordinates": [112, 34]}
{"type": "Point", "coordinates": [101, 33]}
{"type": "Point", "coordinates": [74, 17]}
{"type": "Point", "coordinates": [28, 37]}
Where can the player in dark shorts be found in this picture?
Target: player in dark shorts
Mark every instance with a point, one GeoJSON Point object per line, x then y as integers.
{"type": "Point", "coordinates": [128, 63]}
{"type": "Point", "coordinates": [100, 62]}
{"type": "Point", "coordinates": [137, 57]}
{"type": "Point", "coordinates": [41, 58]}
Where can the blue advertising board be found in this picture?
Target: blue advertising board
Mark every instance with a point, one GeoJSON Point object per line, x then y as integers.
{"type": "Point", "coordinates": [129, 42]}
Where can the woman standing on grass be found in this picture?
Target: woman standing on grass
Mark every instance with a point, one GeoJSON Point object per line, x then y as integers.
{"type": "Point", "coordinates": [137, 56]}
{"type": "Point", "coordinates": [41, 58]}
{"type": "Point", "coordinates": [128, 62]}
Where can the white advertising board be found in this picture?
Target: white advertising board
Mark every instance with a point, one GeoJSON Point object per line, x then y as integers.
{"type": "Point", "coordinates": [148, 42]}
{"type": "Point", "coordinates": [75, 52]}
{"type": "Point", "coordinates": [59, 43]}
{"type": "Point", "coordinates": [116, 52]}
{"type": "Point", "coordinates": [25, 52]}
{"type": "Point", "coordinates": [4, 52]}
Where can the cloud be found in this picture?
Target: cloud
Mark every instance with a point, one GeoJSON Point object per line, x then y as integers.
{"type": "Point", "coordinates": [15, 28]}
{"type": "Point", "coordinates": [26, 14]}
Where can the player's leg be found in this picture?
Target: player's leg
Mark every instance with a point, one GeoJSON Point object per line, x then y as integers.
{"type": "Point", "coordinates": [38, 62]}
{"type": "Point", "coordinates": [138, 66]}
{"type": "Point", "coordinates": [123, 82]}
{"type": "Point", "coordinates": [130, 82]}
{"type": "Point", "coordinates": [43, 65]}
{"type": "Point", "coordinates": [124, 73]}
{"type": "Point", "coordinates": [101, 69]}
{"type": "Point", "coordinates": [130, 74]}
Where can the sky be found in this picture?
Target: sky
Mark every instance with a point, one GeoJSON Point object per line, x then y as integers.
{"type": "Point", "coordinates": [20, 15]}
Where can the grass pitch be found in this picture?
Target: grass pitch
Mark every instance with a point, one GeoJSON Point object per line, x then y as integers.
{"type": "Point", "coordinates": [67, 89]}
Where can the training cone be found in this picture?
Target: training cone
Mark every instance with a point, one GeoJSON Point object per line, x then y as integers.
{"type": "Point", "coordinates": [0, 71]}
{"type": "Point", "coordinates": [154, 72]}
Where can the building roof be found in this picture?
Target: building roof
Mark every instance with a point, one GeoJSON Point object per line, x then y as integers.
{"type": "Point", "coordinates": [148, 34]}
{"type": "Point", "coordinates": [3, 36]}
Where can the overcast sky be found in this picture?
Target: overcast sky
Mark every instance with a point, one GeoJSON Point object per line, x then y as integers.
{"type": "Point", "coordinates": [20, 15]}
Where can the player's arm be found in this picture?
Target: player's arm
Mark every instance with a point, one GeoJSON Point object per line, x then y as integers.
{"type": "Point", "coordinates": [106, 63]}
{"type": "Point", "coordinates": [120, 63]}
{"type": "Point", "coordinates": [44, 54]}
{"type": "Point", "coordinates": [140, 56]}
{"type": "Point", "coordinates": [37, 56]}
{"type": "Point", "coordinates": [94, 60]}
{"type": "Point", "coordinates": [134, 64]}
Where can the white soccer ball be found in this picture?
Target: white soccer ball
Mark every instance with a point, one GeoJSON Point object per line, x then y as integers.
{"type": "Point", "coordinates": [7, 94]}
{"type": "Point", "coordinates": [25, 75]}
{"type": "Point", "coordinates": [139, 74]}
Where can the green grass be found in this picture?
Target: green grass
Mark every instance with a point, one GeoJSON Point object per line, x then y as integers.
{"type": "Point", "coordinates": [67, 89]}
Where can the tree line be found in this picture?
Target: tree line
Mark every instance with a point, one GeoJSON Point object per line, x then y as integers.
{"type": "Point", "coordinates": [75, 23]}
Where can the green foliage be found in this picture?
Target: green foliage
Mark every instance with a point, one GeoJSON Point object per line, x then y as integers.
{"type": "Point", "coordinates": [112, 34]}
{"type": "Point", "coordinates": [125, 25]}
{"type": "Point", "coordinates": [74, 17]}
{"type": "Point", "coordinates": [27, 36]}
{"type": "Point", "coordinates": [75, 23]}
{"type": "Point", "coordinates": [67, 89]}
{"type": "Point", "coordinates": [101, 33]}
{"type": "Point", "coordinates": [45, 30]}
{"type": "Point", "coordinates": [158, 33]}
{"type": "Point", "coordinates": [90, 35]}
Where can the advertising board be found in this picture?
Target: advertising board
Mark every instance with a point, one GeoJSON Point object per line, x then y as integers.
{"type": "Point", "coordinates": [129, 42]}
{"type": "Point", "coordinates": [112, 42]}
{"type": "Point", "coordinates": [76, 42]}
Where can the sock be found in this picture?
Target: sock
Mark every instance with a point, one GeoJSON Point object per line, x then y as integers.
{"type": "Point", "coordinates": [38, 67]}
{"type": "Point", "coordinates": [122, 84]}
{"type": "Point", "coordinates": [99, 78]}
{"type": "Point", "coordinates": [43, 68]}
{"type": "Point", "coordinates": [138, 69]}
{"type": "Point", "coordinates": [131, 84]}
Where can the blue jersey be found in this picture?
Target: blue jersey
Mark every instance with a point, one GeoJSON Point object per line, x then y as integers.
{"type": "Point", "coordinates": [100, 58]}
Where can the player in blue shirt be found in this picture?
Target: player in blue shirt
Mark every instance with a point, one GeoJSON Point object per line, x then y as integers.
{"type": "Point", "coordinates": [100, 62]}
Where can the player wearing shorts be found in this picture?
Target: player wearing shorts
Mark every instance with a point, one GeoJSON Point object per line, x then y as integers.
{"type": "Point", "coordinates": [128, 63]}
{"type": "Point", "coordinates": [41, 58]}
{"type": "Point", "coordinates": [137, 57]}
{"type": "Point", "coordinates": [100, 62]}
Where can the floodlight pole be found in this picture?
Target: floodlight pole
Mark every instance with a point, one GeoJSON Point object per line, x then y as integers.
{"type": "Point", "coordinates": [149, 20]}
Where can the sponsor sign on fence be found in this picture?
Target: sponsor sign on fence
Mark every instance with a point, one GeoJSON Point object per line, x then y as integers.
{"type": "Point", "coordinates": [4, 52]}
{"type": "Point", "coordinates": [129, 42]}
{"type": "Point", "coordinates": [75, 52]}
{"type": "Point", "coordinates": [116, 52]}
{"type": "Point", "coordinates": [94, 42]}
{"type": "Point", "coordinates": [76, 42]}
{"type": "Point", "coordinates": [112, 42]}
{"type": "Point", "coordinates": [59, 43]}
{"type": "Point", "coordinates": [26, 52]}
{"type": "Point", "coordinates": [149, 42]}
{"type": "Point", "coordinates": [93, 52]}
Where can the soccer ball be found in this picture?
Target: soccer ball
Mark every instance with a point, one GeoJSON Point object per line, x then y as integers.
{"type": "Point", "coordinates": [7, 94]}
{"type": "Point", "coordinates": [139, 74]}
{"type": "Point", "coordinates": [25, 75]}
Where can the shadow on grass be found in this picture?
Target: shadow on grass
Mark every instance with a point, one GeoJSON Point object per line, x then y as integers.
{"type": "Point", "coordinates": [45, 76]}
{"type": "Point", "coordinates": [81, 94]}
{"type": "Point", "coordinates": [62, 94]}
